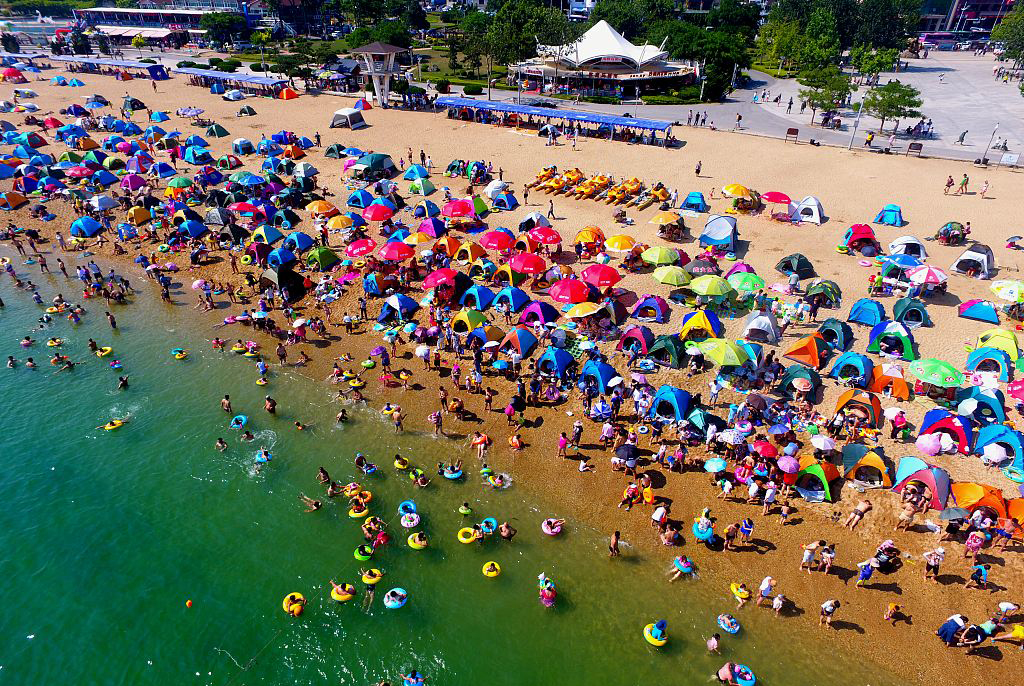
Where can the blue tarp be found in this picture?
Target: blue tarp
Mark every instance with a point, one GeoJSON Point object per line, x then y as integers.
{"type": "Point", "coordinates": [156, 71]}
{"type": "Point", "coordinates": [548, 113]}
{"type": "Point", "coordinates": [234, 78]}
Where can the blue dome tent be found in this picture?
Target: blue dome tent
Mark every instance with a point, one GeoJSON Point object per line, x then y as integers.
{"type": "Point", "coordinates": [1011, 440]}
{"type": "Point", "coordinates": [599, 374]}
{"type": "Point", "coordinates": [651, 308]}
{"type": "Point", "coordinates": [477, 296]}
{"type": "Point", "coordinates": [890, 215]}
{"type": "Point", "coordinates": [719, 232]}
{"type": "Point", "coordinates": [867, 311]}
{"type": "Point", "coordinates": [852, 365]}
{"type": "Point", "coordinates": [360, 199]}
{"type": "Point", "coordinates": [986, 359]}
{"type": "Point", "coordinates": [670, 403]}
{"type": "Point", "coordinates": [85, 227]}
{"type": "Point", "coordinates": [979, 310]}
{"type": "Point", "coordinates": [555, 362]}
{"type": "Point", "coordinates": [515, 298]}
{"type": "Point", "coordinates": [281, 257]}
{"type": "Point", "coordinates": [990, 405]}
{"type": "Point", "coordinates": [297, 241]}
{"type": "Point", "coordinates": [695, 202]}
{"type": "Point", "coordinates": [398, 306]}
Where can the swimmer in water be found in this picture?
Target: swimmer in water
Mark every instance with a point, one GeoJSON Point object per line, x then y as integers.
{"type": "Point", "coordinates": [311, 505]}
{"type": "Point", "coordinates": [122, 383]}
{"type": "Point", "coordinates": [300, 426]}
{"type": "Point", "coordinates": [247, 436]}
{"type": "Point", "coordinates": [322, 477]}
{"type": "Point", "coordinates": [221, 445]}
{"type": "Point", "coordinates": [30, 363]}
{"type": "Point", "coordinates": [11, 362]}
{"type": "Point", "coordinates": [342, 416]}
{"type": "Point", "coordinates": [93, 346]}
{"type": "Point", "coordinates": [507, 531]}
{"type": "Point", "coordinates": [334, 490]}
{"type": "Point", "coordinates": [69, 366]}
{"type": "Point", "coordinates": [270, 405]}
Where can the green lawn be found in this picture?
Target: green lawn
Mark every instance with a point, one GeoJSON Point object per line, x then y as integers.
{"type": "Point", "coordinates": [773, 70]}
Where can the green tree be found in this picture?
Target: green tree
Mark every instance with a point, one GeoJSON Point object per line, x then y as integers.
{"type": "Point", "coordinates": [821, 40]}
{"type": "Point", "coordinates": [719, 52]}
{"type": "Point", "coordinates": [127, 4]}
{"type": "Point", "coordinates": [887, 23]}
{"type": "Point", "coordinates": [824, 88]}
{"type": "Point", "coordinates": [735, 16]}
{"type": "Point", "coordinates": [414, 16]}
{"type": "Point", "coordinates": [80, 43]}
{"type": "Point", "coordinates": [1010, 32]}
{"type": "Point", "coordinates": [392, 33]}
{"type": "Point", "coordinates": [846, 14]}
{"type": "Point", "coordinates": [871, 62]}
{"type": "Point", "coordinates": [261, 39]}
{"type": "Point", "coordinates": [102, 43]}
{"type": "Point", "coordinates": [474, 44]}
{"type": "Point", "coordinates": [894, 100]}
{"type": "Point", "coordinates": [359, 37]}
{"type": "Point", "coordinates": [519, 25]}
{"type": "Point", "coordinates": [9, 42]}
{"type": "Point", "coordinates": [779, 41]}
{"type": "Point", "coordinates": [138, 42]}
{"type": "Point", "coordinates": [631, 18]}
{"type": "Point", "coordinates": [366, 11]}
{"type": "Point", "coordinates": [220, 26]}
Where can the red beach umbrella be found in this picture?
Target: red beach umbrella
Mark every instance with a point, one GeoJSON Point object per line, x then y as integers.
{"type": "Point", "coordinates": [446, 275]}
{"type": "Point", "coordinates": [601, 276]}
{"type": "Point", "coordinates": [378, 213]}
{"type": "Point", "coordinates": [459, 207]}
{"type": "Point", "coordinates": [569, 291]}
{"type": "Point", "coordinates": [497, 240]}
{"type": "Point", "coordinates": [776, 197]}
{"type": "Point", "coordinates": [545, 235]}
{"type": "Point", "coordinates": [364, 246]}
{"type": "Point", "coordinates": [528, 263]}
{"type": "Point", "coordinates": [396, 250]}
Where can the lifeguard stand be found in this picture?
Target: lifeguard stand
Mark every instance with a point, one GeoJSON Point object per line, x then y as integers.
{"type": "Point", "coordinates": [379, 66]}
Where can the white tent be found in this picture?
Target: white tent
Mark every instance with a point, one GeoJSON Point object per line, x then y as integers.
{"type": "Point", "coordinates": [348, 116]}
{"type": "Point", "coordinates": [762, 327]}
{"type": "Point", "coordinates": [977, 260]}
{"type": "Point", "coordinates": [602, 44]}
{"type": "Point", "coordinates": [234, 95]}
{"type": "Point", "coordinates": [807, 210]}
{"type": "Point", "coordinates": [719, 231]}
{"type": "Point", "coordinates": [494, 188]}
{"type": "Point", "coordinates": [908, 245]}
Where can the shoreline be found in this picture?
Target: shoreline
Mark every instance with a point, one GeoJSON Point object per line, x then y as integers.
{"type": "Point", "coordinates": [881, 644]}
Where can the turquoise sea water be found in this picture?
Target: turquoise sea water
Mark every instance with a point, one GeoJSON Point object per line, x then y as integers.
{"type": "Point", "coordinates": [105, 535]}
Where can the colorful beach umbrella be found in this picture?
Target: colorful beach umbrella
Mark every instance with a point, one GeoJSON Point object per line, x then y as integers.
{"type": "Point", "coordinates": [710, 285]}
{"type": "Point", "coordinates": [671, 275]}
{"type": "Point", "coordinates": [936, 372]}
{"type": "Point", "coordinates": [435, 278]}
{"type": "Point", "coordinates": [497, 240]}
{"type": "Point", "coordinates": [926, 275]}
{"type": "Point", "coordinates": [364, 246]}
{"type": "Point", "coordinates": [723, 352]}
{"type": "Point", "coordinates": [746, 282]}
{"type": "Point", "coordinates": [544, 235]}
{"type": "Point", "coordinates": [659, 255]}
{"type": "Point", "coordinates": [460, 207]}
{"type": "Point", "coordinates": [396, 251]}
{"type": "Point", "coordinates": [736, 190]}
{"type": "Point", "coordinates": [620, 243]}
{"type": "Point", "coordinates": [664, 218]}
{"type": "Point", "coordinates": [569, 291]}
{"type": "Point", "coordinates": [600, 276]}
{"type": "Point", "coordinates": [1011, 290]}
{"type": "Point", "coordinates": [528, 263]}
{"type": "Point", "coordinates": [378, 213]}
{"type": "Point", "coordinates": [776, 198]}
{"type": "Point", "coordinates": [583, 310]}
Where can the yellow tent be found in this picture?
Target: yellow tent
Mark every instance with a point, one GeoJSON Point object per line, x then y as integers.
{"type": "Point", "coordinates": [469, 252]}
{"type": "Point", "coordinates": [699, 322]}
{"type": "Point", "coordinates": [1000, 339]}
{"type": "Point", "coordinates": [467, 320]}
{"type": "Point", "coordinates": [138, 215]}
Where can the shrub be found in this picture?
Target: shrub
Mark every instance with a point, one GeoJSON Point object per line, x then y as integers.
{"type": "Point", "coordinates": [148, 61]}
{"type": "Point", "coordinates": [233, 62]}
{"type": "Point", "coordinates": [472, 89]}
{"type": "Point", "coordinates": [224, 66]}
{"type": "Point", "coordinates": [185, 64]}
{"type": "Point", "coordinates": [214, 61]}
{"type": "Point", "coordinates": [443, 86]}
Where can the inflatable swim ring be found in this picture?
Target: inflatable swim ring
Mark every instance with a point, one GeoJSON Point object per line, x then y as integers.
{"type": "Point", "coordinates": [393, 603]}
{"type": "Point", "coordinates": [292, 604]}
{"type": "Point", "coordinates": [401, 463]}
{"type": "Point", "coordinates": [864, 263]}
{"type": "Point", "coordinates": [239, 421]}
{"type": "Point", "coordinates": [356, 383]}
{"type": "Point", "coordinates": [744, 675]}
{"type": "Point", "coordinates": [1013, 474]}
{"type": "Point", "coordinates": [103, 352]}
{"type": "Point", "coordinates": [237, 348]}
{"type": "Point", "coordinates": [363, 552]}
{"type": "Point", "coordinates": [740, 593]}
{"type": "Point", "coordinates": [489, 525]}
{"type": "Point", "coordinates": [683, 564]}
{"type": "Point", "coordinates": [635, 499]}
{"type": "Point", "coordinates": [452, 476]}
{"type": "Point", "coordinates": [465, 509]}
{"type": "Point", "coordinates": [372, 577]}
{"type": "Point", "coordinates": [705, 535]}
{"type": "Point", "coordinates": [113, 424]}
{"type": "Point", "coordinates": [54, 342]}
{"type": "Point", "coordinates": [346, 594]}
{"type": "Point", "coordinates": [179, 353]}
{"type": "Point", "coordinates": [728, 623]}
{"type": "Point", "coordinates": [466, 535]}
{"type": "Point", "coordinates": [163, 247]}
{"type": "Point", "coordinates": [358, 514]}
{"type": "Point", "coordinates": [651, 639]}
{"type": "Point", "coordinates": [491, 574]}
{"type": "Point", "coordinates": [246, 260]}
{"type": "Point", "coordinates": [368, 364]}
{"type": "Point", "coordinates": [406, 507]}
{"type": "Point", "coordinates": [413, 544]}
{"type": "Point", "coordinates": [351, 489]}
{"type": "Point", "coordinates": [842, 249]}
{"type": "Point", "coordinates": [52, 310]}
{"type": "Point", "coordinates": [550, 530]}
{"type": "Point", "coordinates": [116, 364]}
{"type": "Point", "coordinates": [410, 520]}
{"type": "Point", "coordinates": [415, 474]}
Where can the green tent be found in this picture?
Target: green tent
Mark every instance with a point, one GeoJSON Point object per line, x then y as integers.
{"type": "Point", "coordinates": [480, 206]}
{"type": "Point", "coordinates": [830, 290]}
{"type": "Point", "coordinates": [69, 156]}
{"type": "Point", "coordinates": [376, 162]}
{"type": "Point", "coordinates": [336, 151]}
{"type": "Point", "coordinates": [911, 312]}
{"type": "Point", "coordinates": [838, 334]}
{"type": "Point", "coordinates": [246, 111]}
{"type": "Point", "coordinates": [796, 263]}
{"type": "Point", "coordinates": [667, 350]}
{"type": "Point", "coordinates": [794, 372]}
{"type": "Point", "coordinates": [321, 258]}
{"type": "Point", "coordinates": [422, 187]}
{"type": "Point", "coordinates": [113, 163]}
{"type": "Point", "coordinates": [216, 130]}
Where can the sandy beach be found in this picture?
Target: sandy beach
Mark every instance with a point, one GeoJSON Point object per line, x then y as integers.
{"type": "Point", "coordinates": [852, 186]}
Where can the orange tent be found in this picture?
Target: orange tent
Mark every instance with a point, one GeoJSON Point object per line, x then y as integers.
{"type": "Point", "coordinates": [590, 234]}
{"type": "Point", "coordinates": [882, 383]}
{"type": "Point", "coordinates": [971, 496]}
{"type": "Point", "coordinates": [811, 351]}
{"type": "Point", "coordinates": [293, 152]}
{"type": "Point", "coordinates": [287, 94]}
{"type": "Point", "coordinates": [469, 252]}
{"type": "Point", "coordinates": [449, 245]}
{"type": "Point", "coordinates": [1015, 509]}
{"type": "Point", "coordinates": [12, 200]}
{"type": "Point", "coordinates": [526, 243]}
{"type": "Point", "coordinates": [862, 403]}
{"type": "Point", "coordinates": [87, 144]}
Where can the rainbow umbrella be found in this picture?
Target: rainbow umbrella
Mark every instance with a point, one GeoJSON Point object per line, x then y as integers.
{"type": "Point", "coordinates": [746, 281]}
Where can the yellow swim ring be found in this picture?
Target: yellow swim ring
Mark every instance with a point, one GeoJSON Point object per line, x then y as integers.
{"type": "Point", "coordinates": [351, 489]}
{"type": "Point", "coordinates": [356, 383]}
{"type": "Point", "coordinates": [354, 514]}
{"type": "Point", "coordinates": [650, 637]}
{"type": "Point", "coordinates": [52, 310]}
{"type": "Point", "coordinates": [113, 424]}
{"type": "Point", "coordinates": [490, 574]}
{"type": "Point", "coordinates": [238, 348]}
{"type": "Point", "coordinates": [346, 594]}
{"type": "Point", "coordinates": [261, 382]}
{"type": "Point", "coordinates": [372, 577]}
{"type": "Point", "coordinates": [292, 604]}
{"type": "Point", "coordinates": [53, 343]}
{"type": "Point", "coordinates": [401, 463]}
{"type": "Point", "coordinates": [740, 593]}
{"type": "Point", "coordinates": [466, 535]}
{"type": "Point", "coordinates": [413, 544]}
{"type": "Point", "coordinates": [181, 356]}
{"type": "Point", "coordinates": [103, 352]}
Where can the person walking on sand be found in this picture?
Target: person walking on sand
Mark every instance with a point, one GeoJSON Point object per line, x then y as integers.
{"type": "Point", "coordinates": [551, 209]}
{"type": "Point", "coordinates": [984, 189]}
{"type": "Point", "coordinates": [764, 591]}
{"type": "Point", "coordinates": [696, 169]}
{"type": "Point", "coordinates": [949, 185]}
{"type": "Point", "coordinates": [933, 559]}
{"type": "Point", "coordinates": [828, 609]}
{"type": "Point", "coordinates": [807, 559]}
{"type": "Point", "coordinates": [962, 188]}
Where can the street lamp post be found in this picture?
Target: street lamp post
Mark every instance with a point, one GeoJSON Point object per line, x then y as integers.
{"type": "Point", "coordinates": [984, 155]}
{"type": "Point", "coordinates": [856, 122]}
